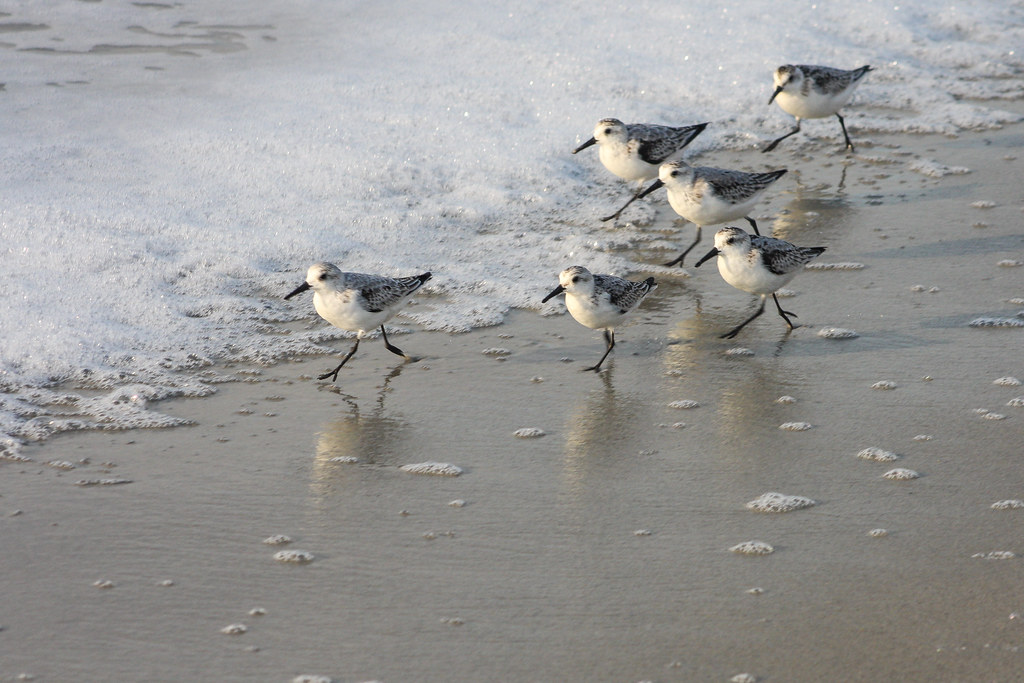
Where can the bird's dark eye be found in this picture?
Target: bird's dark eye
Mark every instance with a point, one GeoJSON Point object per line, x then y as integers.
{"type": "Point", "coordinates": [607, 131]}
{"type": "Point", "coordinates": [323, 276]}
{"type": "Point", "coordinates": [675, 174]}
{"type": "Point", "coordinates": [575, 278]}
{"type": "Point", "coordinates": [730, 240]}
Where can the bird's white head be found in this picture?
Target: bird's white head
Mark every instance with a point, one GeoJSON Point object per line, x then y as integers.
{"type": "Point", "coordinates": [322, 274]}
{"type": "Point", "coordinates": [609, 130]}
{"type": "Point", "coordinates": [576, 280]}
{"type": "Point", "coordinates": [786, 77]}
{"type": "Point", "coordinates": [732, 239]}
{"type": "Point", "coordinates": [672, 171]}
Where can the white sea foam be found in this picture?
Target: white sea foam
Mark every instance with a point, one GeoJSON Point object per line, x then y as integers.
{"type": "Point", "coordinates": [173, 181]}
{"type": "Point", "coordinates": [442, 469]}
{"type": "Point", "coordinates": [779, 502]}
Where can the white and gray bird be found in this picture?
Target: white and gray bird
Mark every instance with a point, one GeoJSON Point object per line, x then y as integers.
{"type": "Point", "coordinates": [600, 301]}
{"type": "Point", "coordinates": [634, 151]}
{"type": "Point", "coordinates": [707, 196]}
{"type": "Point", "coordinates": [814, 92]}
{"type": "Point", "coordinates": [357, 302]}
{"type": "Point", "coordinates": [758, 265]}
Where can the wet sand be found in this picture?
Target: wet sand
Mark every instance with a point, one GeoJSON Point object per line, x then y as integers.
{"type": "Point", "coordinates": [599, 551]}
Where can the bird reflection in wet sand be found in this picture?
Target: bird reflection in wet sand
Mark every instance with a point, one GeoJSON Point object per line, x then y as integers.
{"type": "Point", "coordinates": [358, 438]}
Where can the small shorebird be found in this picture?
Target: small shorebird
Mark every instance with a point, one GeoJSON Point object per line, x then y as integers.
{"type": "Point", "coordinates": [357, 302]}
{"type": "Point", "coordinates": [814, 92]}
{"type": "Point", "coordinates": [708, 196]}
{"type": "Point", "coordinates": [759, 265]}
{"type": "Point", "coordinates": [600, 301]}
{"type": "Point", "coordinates": [635, 151]}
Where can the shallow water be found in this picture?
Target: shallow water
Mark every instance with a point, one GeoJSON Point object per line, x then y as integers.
{"type": "Point", "coordinates": [599, 551]}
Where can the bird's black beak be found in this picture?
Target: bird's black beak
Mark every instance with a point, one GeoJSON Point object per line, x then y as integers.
{"type": "Point", "coordinates": [298, 290]}
{"type": "Point", "coordinates": [714, 252]}
{"type": "Point", "coordinates": [554, 292]}
{"type": "Point", "coordinates": [588, 143]}
{"type": "Point", "coordinates": [654, 186]}
{"type": "Point", "coordinates": [777, 91]}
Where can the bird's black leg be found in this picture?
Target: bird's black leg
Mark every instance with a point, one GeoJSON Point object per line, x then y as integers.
{"type": "Point", "coordinates": [849, 144]}
{"type": "Point", "coordinates": [615, 216]}
{"type": "Point", "coordinates": [753, 224]}
{"type": "Point", "coordinates": [609, 343]}
{"type": "Point", "coordinates": [734, 331]}
{"type": "Point", "coordinates": [333, 374]}
{"type": "Point", "coordinates": [679, 259]}
{"type": "Point", "coordinates": [778, 140]}
{"type": "Point", "coordinates": [391, 347]}
{"type": "Point", "coordinates": [785, 314]}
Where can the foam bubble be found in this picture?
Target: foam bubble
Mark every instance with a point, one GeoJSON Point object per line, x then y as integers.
{"type": "Point", "coordinates": [837, 333]}
{"type": "Point", "coordinates": [923, 437]}
{"type": "Point", "coordinates": [684, 405]}
{"type": "Point", "coordinates": [234, 629]}
{"type": "Point", "coordinates": [753, 548]}
{"type": "Point", "coordinates": [993, 416]}
{"type": "Point", "coordinates": [743, 678]}
{"type": "Point", "coordinates": [294, 556]}
{"type": "Point", "coordinates": [457, 503]}
{"type": "Point", "coordinates": [277, 539]}
{"type": "Point", "coordinates": [642, 532]}
{"type": "Point", "coordinates": [102, 482]}
{"type": "Point", "coordinates": [996, 555]}
{"type": "Point", "coordinates": [1009, 263]}
{"type": "Point", "coordinates": [877, 454]}
{"type": "Point", "coordinates": [344, 459]}
{"type": "Point", "coordinates": [1007, 382]}
{"type": "Point", "coordinates": [878, 533]}
{"type": "Point", "coordinates": [779, 502]}
{"type": "Point", "coordinates": [996, 322]}
{"type": "Point", "coordinates": [496, 351]}
{"type": "Point", "coordinates": [529, 433]}
{"type": "Point", "coordinates": [61, 464]}
{"type": "Point", "coordinates": [739, 351]}
{"type": "Point", "coordinates": [795, 426]}
{"type": "Point", "coordinates": [983, 204]}
{"type": "Point", "coordinates": [103, 583]}
{"type": "Point", "coordinates": [436, 468]}
{"type": "Point", "coordinates": [785, 399]}
{"type": "Point", "coordinates": [1017, 402]}
{"type": "Point", "coordinates": [1008, 504]}
{"type": "Point", "coordinates": [257, 612]}
{"type": "Point", "coordinates": [901, 474]}
{"type": "Point", "coordinates": [834, 266]}
{"type": "Point", "coordinates": [756, 590]}
{"type": "Point", "coordinates": [884, 385]}
{"type": "Point", "coordinates": [311, 678]}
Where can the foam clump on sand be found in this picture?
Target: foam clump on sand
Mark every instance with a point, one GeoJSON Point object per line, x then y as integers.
{"type": "Point", "coordinates": [996, 555]}
{"type": "Point", "coordinates": [877, 454]}
{"type": "Point", "coordinates": [996, 322]}
{"type": "Point", "coordinates": [311, 678]}
{"type": "Point", "coordinates": [442, 469]}
{"type": "Point", "coordinates": [752, 548]}
{"type": "Point", "coordinates": [779, 502]}
{"type": "Point", "coordinates": [684, 405]}
{"type": "Point", "coordinates": [884, 385]}
{"type": "Point", "coordinates": [528, 433]}
{"type": "Point", "coordinates": [1007, 382]}
{"type": "Point", "coordinates": [837, 333]}
{"type": "Point", "coordinates": [234, 629]}
{"type": "Point", "coordinates": [878, 533]}
{"type": "Point", "coordinates": [795, 426]}
{"type": "Point", "coordinates": [834, 266]}
{"type": "Point", "coordinates": [901, 474]}
{"type": "Point", "coordinates": [1009, 504]}
{"type": "Point", "coordinates": [294, 556]}
{"type": "Point", "coordinates": [1017, 402]}
{"type": "Point", "coordinates": [277, 539]}
{"type": "Point", "coordinates": [112, 481]}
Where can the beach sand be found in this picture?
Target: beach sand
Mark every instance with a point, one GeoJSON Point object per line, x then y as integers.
{"type": "Point", "coordinates": [599, 551]}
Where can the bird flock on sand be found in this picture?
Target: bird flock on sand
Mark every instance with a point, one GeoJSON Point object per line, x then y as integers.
{"type": "Point", "coordinates": [636, 152]}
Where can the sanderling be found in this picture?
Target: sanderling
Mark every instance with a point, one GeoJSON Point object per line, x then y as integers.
{"type": "Point", "coordinates": [357, 302]}
{"type": "Point", "coordinates": [814, 92]}
{"type": "Point", "coordinates": [707, 196]}
{"type": "Point", "coordinates": [759, 265]}
{"type": "Point", "coordinates": [600, 301]}
{"type": "Point", "coordinates": [635, 151]}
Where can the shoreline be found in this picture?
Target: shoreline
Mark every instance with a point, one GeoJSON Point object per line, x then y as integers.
{"type": "Point", "coordinates": [600, 550]}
